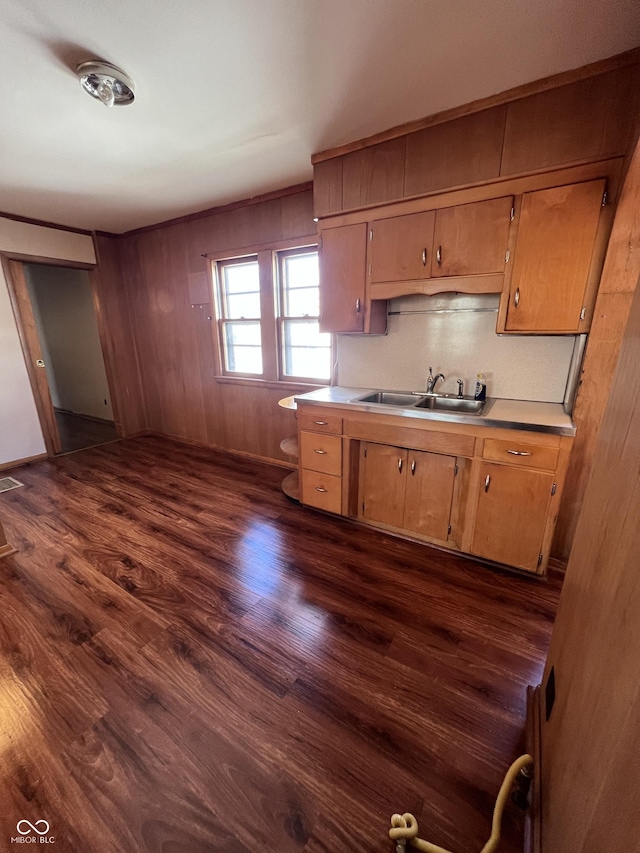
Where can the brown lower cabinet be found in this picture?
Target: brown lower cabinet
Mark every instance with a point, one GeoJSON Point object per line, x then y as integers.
{"type": "Point", "coordinates": [511, 516]}
{"type": "Point", "coordinates": [407, 489]}
{"type": "Point", "coordinates": [489, 492]}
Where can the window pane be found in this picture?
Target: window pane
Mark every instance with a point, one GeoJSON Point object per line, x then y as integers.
{"type": "Point", "coordinates": [301, 302]}
{"type": "Point", "coordinates": [241, 278]}
{"type": "Point", "coordinates": [300, 285]}
{"type": "Point", "coordinates": [243, 305]}
{"type": "Point", "coordinates": [307, 351]}
{"type": "Point", "coordinates": [302, 270]}
{"type": "Point", "coordinates": [243, 349]}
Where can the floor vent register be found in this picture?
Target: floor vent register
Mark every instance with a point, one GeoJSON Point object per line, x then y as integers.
{"type": "Point", "coordinates": [8, 483]}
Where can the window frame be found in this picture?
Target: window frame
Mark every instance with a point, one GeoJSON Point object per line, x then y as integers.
{"type": "Point", "coordinates": [267, 256]}
{"type": "Point", "coordinates": [222, 321]}
{"type": "Point", "coordinates": [279, 259]}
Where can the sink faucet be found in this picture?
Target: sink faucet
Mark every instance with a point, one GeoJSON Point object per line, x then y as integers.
{"type": "Point", "coordinates": [460, 387]}
{"type": "Point", "coordinates": [431, 381]}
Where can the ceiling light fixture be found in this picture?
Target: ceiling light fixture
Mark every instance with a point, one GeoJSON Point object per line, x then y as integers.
{"type": "Point", "coordinates": [106, 83]}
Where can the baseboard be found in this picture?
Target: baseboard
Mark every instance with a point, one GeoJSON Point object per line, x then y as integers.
{"type": "Point", "coordinates": [533, 818]}
{"type": "Point", "coordinates": [243, 454]}
{"type": "Point", "coordinates": [4, 466]}
{"type": "Point", "coordinates": [138, 434]}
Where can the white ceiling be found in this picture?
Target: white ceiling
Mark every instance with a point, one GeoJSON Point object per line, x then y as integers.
{"type": "Point", "coordinates": [233, 96]}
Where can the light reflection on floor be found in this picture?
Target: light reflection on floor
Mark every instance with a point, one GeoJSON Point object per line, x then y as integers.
{"type": "Point", "coordinates": [262, 569]}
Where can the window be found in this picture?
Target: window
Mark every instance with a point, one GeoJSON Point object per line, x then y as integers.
{"type": "Point", "coordinates": [304, 350]}
{"type": "Point", "coordinates": [239, 309]}
{"type": "Point", "coordinates": [268, 317]}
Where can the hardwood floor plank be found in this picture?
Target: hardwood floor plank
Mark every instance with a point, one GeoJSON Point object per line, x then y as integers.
{"type": "Point", "coordinates": [191, 663]}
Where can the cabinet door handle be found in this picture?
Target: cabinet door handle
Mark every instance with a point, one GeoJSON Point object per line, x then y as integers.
{"type": "Point", "coordinates": [424, 257]}
{"type": "Point", "coordinates": [439, 255]}
{"type": "Point", "coordinates": [320, 489]}
{"type": "Point", "coordinates": [413, 467]}
{"type": "Point", "coordinates": [321, 423]}
{"type": "Point", "coordinates": [519, 452]}
{"type": "Point", "coordinates": [400, 466]}
{"type": "Point", "coordinates": [358, 305]}
{"type": "Point", "coordinates": [487, 480]}
{"type": "Point", "coordinates": [516, 297]}
{"type": "Point", "coordinates": [321, 452]}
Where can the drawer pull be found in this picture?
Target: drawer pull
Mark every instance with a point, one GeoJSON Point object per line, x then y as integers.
{"type": "Point", "coordinates": [320, 489]}
{"type": "Point", "coordinates": [321, 452]}
{"type": "Point", "coordinates": [516, 298]}
{"type": "Point", "coordinates": [519, 452]}
{"type": "Point", "coordinates": [413, 467]}
{"type": "Point", "coordinates": [424, 257]}
{"type": "Point", "coordinates": [400, 466]}
{"type": "Point", "coordinates": [487, 480]}
{"type": "Point", "coordinates": [439, 256]}
{"type": "Point", "coordinates": [321, 423]}
{"type": "Point", "coordinates": [358, 305]}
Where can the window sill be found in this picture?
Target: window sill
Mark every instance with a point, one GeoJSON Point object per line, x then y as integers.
{"type": "Point", "coordinates": [269, 383]}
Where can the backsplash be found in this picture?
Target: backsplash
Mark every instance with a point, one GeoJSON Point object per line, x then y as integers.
{"type": "Point", "coordinates": [459, 342]}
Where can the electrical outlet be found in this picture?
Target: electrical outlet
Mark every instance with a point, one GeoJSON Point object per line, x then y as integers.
{"type": "Point", "coordinates": [550, 693]}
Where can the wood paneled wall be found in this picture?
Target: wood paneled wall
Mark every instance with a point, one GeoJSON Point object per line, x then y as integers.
{"type": "Point", "coordinates": [590, 744]}
{"type": "Point", "coordinates": [165, 276]}
{"type": "Point", "coordinates": [118, 336]}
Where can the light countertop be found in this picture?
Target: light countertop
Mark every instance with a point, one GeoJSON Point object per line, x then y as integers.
{"type": "Point", "coordinates": [507, 414]}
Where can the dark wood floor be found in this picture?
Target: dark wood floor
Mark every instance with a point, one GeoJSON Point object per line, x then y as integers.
{"type": "Point", "coordinates": [78, 432]}
{"type": "Point", "coordinates": [190, 663]}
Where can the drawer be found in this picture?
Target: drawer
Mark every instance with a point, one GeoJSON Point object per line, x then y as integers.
{"type": "Point", "coordinates": [521, 453]}
{"type": "Point", "coordinates": [321, 452]}
{"type": "Point", "coordinates": [322, 491]}
{"type": "Point", "coordinates": [320, 421]}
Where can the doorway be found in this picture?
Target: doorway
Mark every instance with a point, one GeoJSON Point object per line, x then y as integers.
{"type": "Point", "coordinates": [66, 328]}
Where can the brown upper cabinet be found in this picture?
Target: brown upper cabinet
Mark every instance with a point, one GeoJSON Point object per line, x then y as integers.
{"type": "Point", "coordinates": [401, 247]}
{"type": "Point", "coordinates": [455, 153]}
{"type": "Point", "coordinates": [555, 269]}
{"type": "Point", "coordinates": [587, 120]}
{"type": "Point", "coordinates": [343, 259]}
{"type": "Point", "coordinates": [344, 306]}
{"type": "Point", "coordinates": [471, 239]}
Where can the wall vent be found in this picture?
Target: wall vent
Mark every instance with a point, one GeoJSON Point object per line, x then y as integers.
{"type": "Point", "coordinates": [8, 483]}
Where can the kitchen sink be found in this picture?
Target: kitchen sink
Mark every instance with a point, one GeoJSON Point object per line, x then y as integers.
{"type": "Point", "coordinates": [390, 398]}
{"type": "Point", "coordinates": [434, 402]}
{"type": "Point", "coordinates": [443, 403]}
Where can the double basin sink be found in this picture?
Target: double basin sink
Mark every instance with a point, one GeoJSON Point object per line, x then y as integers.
{"type": "Point", "coordinates": [434, 402]}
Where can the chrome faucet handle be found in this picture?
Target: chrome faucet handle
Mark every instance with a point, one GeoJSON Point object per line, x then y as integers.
{"type": "Point", "coordinates": [460, 387]}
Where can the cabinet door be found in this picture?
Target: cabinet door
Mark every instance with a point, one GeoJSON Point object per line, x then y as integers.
{"type": "Point", "coordinates": [428, 493]}
{"type": "Point", "coordinates": [383, 482]}
{"type": "Point", "coordinates": [401, 247]}
{"type": "Point", "coordinates": [552, 257]}
{"type": "Point", "coordinates": [471, 239]}
{"type": "Point", "coordinates": [513, 505]}
{"type": "Point", "coordinates": [343, 258]}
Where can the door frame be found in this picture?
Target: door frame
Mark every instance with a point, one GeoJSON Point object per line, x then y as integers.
{"type": "Point", "coordinates": [13, 267]}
